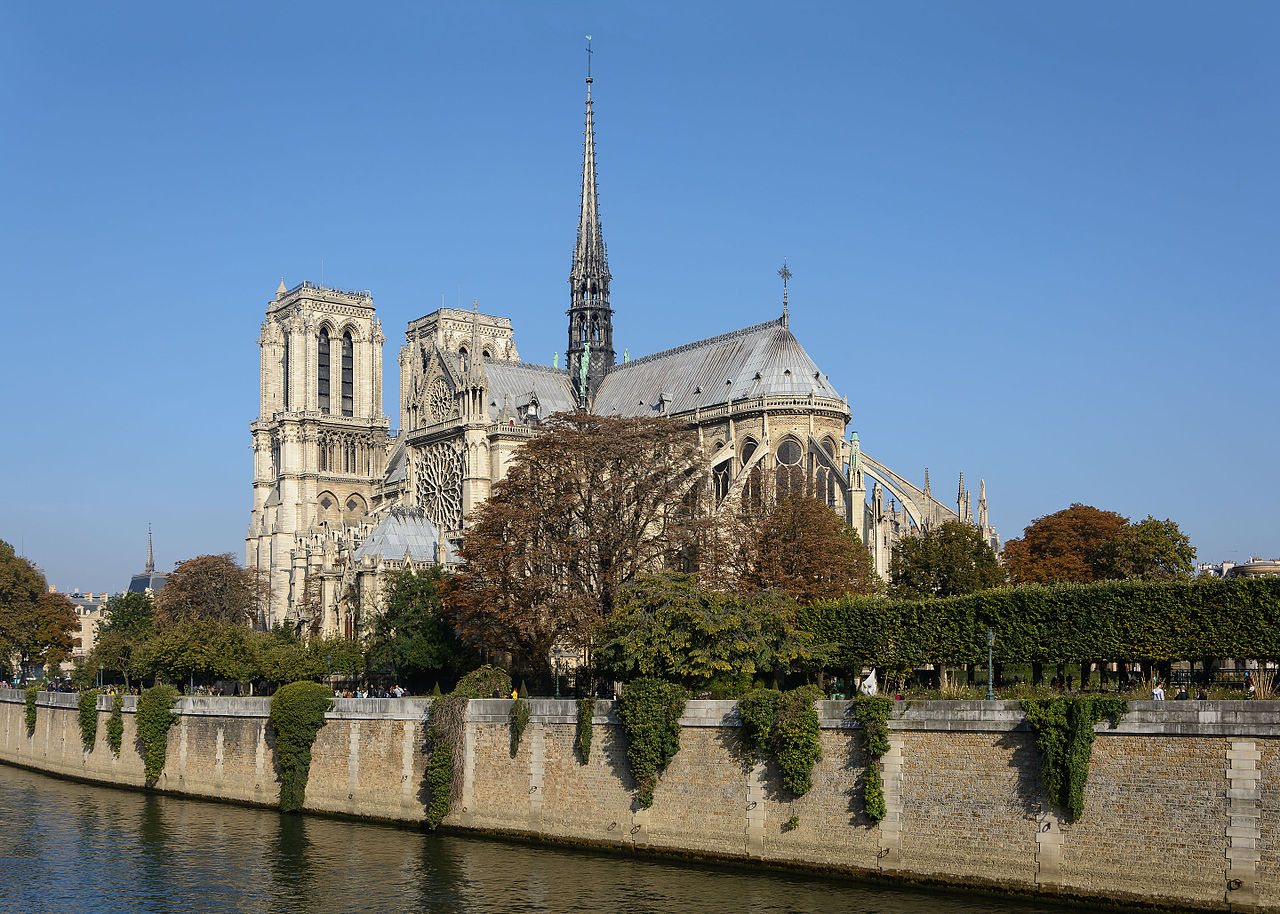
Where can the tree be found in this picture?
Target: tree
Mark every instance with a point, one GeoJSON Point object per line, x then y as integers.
{"type": "Point", "coordinates": [668, 627]}
{"type": "Point", "coordinates": [946, 560]}
{"type": "Point", "coordinates": [128, 621]}
{"type": "Point", "coordinates": [413, 637]}
{"type": "Point", "coordinates": [801, 547]}
{"type": "Point", "coordinates": [1151, 550]}
{"type": "Point", "coordinates": [210, 588]}
{"type": "Point", "coordinates": [1064, 546]}
{"type": "Point", "coordinates": [586, 508]}
{"type": "Point", "coordinates": [35, 625]}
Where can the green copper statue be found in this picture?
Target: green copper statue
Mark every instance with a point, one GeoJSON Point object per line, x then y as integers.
{"type": "Point", "coordinates": [582, 369]}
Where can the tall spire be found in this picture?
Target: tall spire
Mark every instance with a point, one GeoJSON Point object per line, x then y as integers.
{"type": "Point", "coordinates": [590, 317]}
{"type": "Point", "coordinates": [151, 556]}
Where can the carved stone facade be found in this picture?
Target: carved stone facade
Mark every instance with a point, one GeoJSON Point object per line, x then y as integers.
{"type": "Point", "coordinates": [338, 500]}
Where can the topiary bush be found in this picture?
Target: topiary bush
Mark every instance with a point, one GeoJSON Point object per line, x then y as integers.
{"type": "Point", "coordinates": [115, 725]}
{"type": "Point", "coordinates": [783, 726]}
{"type": "Point", "coordinates": [297, 714]}
{"type": "Point", "coordinates": [1064, 734]}
{"type": "Point", "coordinates": [32, 691]}
{"type": "Point", "coordinates": [520, 714]}
{"type": "Point", "coordinates": [582, 742]}
{"type": "Point", "coordinates": [650, 711]}
{"type": "Point", "coordinates": [89, 718]}
{"type": "Point", "coordinates": [154, 718]}
{"type": "Point", "coordinates": [872, 711]}
{"type": "Point", "coordinates": [448, 717]}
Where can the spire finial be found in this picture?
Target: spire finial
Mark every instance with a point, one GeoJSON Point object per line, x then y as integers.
{"type": "Point", "coordinates": [588, 66]}
{"type": "Point", "coordinates": [786, 274]}
{"type": "Point", "coordinates": [151, 557]}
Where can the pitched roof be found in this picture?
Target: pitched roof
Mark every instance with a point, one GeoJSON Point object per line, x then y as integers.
{"type": "Point", "coordinates": [513, 382]}
{"type": "Point", "coordinates": [405, 530]}
{"type": "Point", "coordinates": [752, 362]}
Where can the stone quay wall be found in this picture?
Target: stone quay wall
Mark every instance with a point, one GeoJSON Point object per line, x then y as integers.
{"type": "Point", "coordinates": [1181, 806]}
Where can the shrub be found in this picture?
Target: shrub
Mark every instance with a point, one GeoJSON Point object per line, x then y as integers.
{"type": "Point", "coordinates": [872, 711]}
{"type": "Point", "coordinates": [650, 711]}
{"type": "Point", "coordinates": [297, 714]}
{"type": "Point", "coordinates": [448, 717]}
{"type": "Point", "coordinates": [32, 691]}
{"type": "Point", "coordinates": [115, 725]}
{"type": "Point", "coordinates": [154, 718]}
{"type": "Point", "coordinates": [519, 720]}
{"type": "Point", "coordinates": [586, 711]}
{"type": "Point", "coordinates": [89, 718]}
{"type": "Point", "coordinates": [1064, 734]}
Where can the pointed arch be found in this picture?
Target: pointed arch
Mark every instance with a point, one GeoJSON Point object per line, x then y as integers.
{"type": "Point", "coordinates": [324, 356]}
{"type": "Point", "coordinates": [348, 374]}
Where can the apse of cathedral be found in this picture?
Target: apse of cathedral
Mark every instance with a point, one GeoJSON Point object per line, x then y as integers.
{"type": "Point", "coordinates": [339, 499]}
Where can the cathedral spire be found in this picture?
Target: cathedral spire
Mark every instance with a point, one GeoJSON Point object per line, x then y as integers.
{"type": "Point", "coordinates": [151, 556]}
{"type": "Point", "coordinates": [590, 317]}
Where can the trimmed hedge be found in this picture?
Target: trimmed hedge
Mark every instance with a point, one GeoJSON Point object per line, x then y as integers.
{"type": "Point", "coordinates": [1110, 620]}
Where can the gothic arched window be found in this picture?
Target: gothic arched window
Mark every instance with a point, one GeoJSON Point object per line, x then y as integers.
{"type": "Point", "coordinates": [348, 375]}
{"type": "Point", "coordinates": [790, 475]}
{"type": "Point", "coordinates": [323, 359]}
{"type": "Point", "coordinates": [752, 490]}
{"type": "Point", "coordinates": [721, 477]}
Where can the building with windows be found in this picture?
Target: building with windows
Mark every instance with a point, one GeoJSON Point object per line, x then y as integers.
{"type": "Point", "coordinates": [338, 500]}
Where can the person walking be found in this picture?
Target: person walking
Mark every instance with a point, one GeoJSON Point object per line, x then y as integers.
{"type": "Point", "coordinates": [1157, 693]}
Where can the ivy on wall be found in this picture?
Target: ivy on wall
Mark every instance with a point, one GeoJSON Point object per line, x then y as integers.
{"type": "Point", "coordinates": [89, 718]}
{"type": "Point", "coordinates": [872, 712]}
{"type": "Point", "coordinates": [1114, 620]}
{"type": "Point", "coordinates": [448, 719]}
{"type": "Point", "coordinates": [783, 726]}
{"type": "Point", "coordinates": [1064, 733]}
{"type": "Point", "coordinates": [31, 693]}
{"type": "Point", "coordinates": [650, 711]}
{"type": "Point", "coordinates": [520, 714]}
{"type": "Point", "coordinates": [154, 718]}
{"type": "Point", "coordinates": [297, 714]}
{"type": "Point", "coordinates": [115, 725]}
{"type": "Point", "coordinates": [582, 741]}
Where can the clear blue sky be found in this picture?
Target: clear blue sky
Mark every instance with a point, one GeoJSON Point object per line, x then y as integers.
{"type": "Point", "coordinates": [1033, 242]}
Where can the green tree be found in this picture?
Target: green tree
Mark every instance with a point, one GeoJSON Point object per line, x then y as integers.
{"type": "Point", "coordinates": [36, 626]}
{"type": "Point", "coordinates": [803, 548]}
{"type": "Point", "coordinates": [946, 560]}
{"type": "Point", "coordinates": [1064, 546]}
{"type": "Point", "coordinates": [413, 637]}
{"type": "Point", "coordinates": [1151, 550]}
{"type": "Point", "coordinates": [212, 588]}
{"type": "Point", "coordinates": [667, 627]}
{"type": "Point", "coordinates": [128, 621]}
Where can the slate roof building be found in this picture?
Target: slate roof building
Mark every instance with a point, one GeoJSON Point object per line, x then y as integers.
{"type": "Point", "coordinates": [340, 499]}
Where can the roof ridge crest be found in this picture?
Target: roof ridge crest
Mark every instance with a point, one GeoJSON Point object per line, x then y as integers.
{"type": "Point", "coordinates": [697, 344]}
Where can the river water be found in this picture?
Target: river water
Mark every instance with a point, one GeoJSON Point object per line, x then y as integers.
{"type": "Point", "coordinates": [70, 847]}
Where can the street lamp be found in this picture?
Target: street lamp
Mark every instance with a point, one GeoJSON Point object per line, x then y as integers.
{"type": "Point", "coordinates": [991, 643]}
{"type": "Point", "coordinates": [557, 652]}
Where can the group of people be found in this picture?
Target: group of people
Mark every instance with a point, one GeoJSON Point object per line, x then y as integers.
{"type": "Point", "coordinates": [396, 691]}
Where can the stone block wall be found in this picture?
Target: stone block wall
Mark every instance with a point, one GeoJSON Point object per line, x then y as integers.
{"type": "Point", "coordinates": [1180, 806]}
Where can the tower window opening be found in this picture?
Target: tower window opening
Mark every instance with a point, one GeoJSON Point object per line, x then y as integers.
{"type": "Point", "coordinates": [284, 364]}
{"type": "Point", "coordinates": [323, 359]}
{"type": "Point", "coordinates": [348, 375]}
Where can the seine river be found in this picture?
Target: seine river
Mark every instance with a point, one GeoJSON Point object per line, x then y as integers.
{"type": "Point", "coordinates": [75, 848]}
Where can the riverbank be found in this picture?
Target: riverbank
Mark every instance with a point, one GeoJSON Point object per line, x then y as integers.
{"type": "Point", "coordinates": [1177, 810]}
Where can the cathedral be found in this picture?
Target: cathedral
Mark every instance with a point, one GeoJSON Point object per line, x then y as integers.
{"type": "Point", "coordinates": [339, 498]}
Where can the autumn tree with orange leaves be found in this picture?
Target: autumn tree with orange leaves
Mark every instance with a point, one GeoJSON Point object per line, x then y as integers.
{"type": "Point", "coordinates": [587, 506]}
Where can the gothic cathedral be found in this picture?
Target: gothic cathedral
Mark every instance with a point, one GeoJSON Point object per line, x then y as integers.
{"type": "Point", "coordinates": [339, 499]}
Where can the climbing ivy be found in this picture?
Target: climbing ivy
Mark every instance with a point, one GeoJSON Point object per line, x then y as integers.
{"type": "Point", "coordinates": [1064, 733]}
{"type": "Point", "coordinates": [872, 712]}
{"type": "Point", "coordinates": [154, 718]}
{"type": "Point", "coordinates": [586, 711]}
{"type": "Point", "coordinates": [89, 718]}
{"type": "Point", "coordinates": [115, 725]}
{"type": "Point", "coordinates": [32, 692]}
{"type": "Point", "coordinates": [650, 711]}
{"type": "Point", "coordinates": [519, 720]}
{"type": "Point", "coordinates": [783, 726]}
{"type": "Point", "coordinates": [448, 718]}
{"type": "Point", "coordinates": [297, 714]}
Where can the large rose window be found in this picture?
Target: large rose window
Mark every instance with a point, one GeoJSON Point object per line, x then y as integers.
{"type": "Point", "coordinates": [440, 485]}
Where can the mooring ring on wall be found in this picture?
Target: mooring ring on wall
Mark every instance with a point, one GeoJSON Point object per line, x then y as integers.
{"type": "Point", "coordinates": [1233, 884]}
{"type": "Point", "coordinates": [751, 805]}
{"type": "Point", "coordinates": [533, 788]}
{"type": "Point", "coordinates": [634, 829]}
{"type": "Point", "coordinates": [884, 852]}
{"type": "Point", "coordinates": [612, 826]}
{"type": "Point", "coordinates": [1048, 826]}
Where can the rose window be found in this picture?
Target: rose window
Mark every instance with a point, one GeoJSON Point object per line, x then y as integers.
{"type": "Point", "coordinates": [440, 486]}
{"type": "Point", "coordinates": [439, 400]}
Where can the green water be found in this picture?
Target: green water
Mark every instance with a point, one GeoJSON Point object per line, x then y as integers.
{"type": "Point", "coordinates": [76, 848]}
